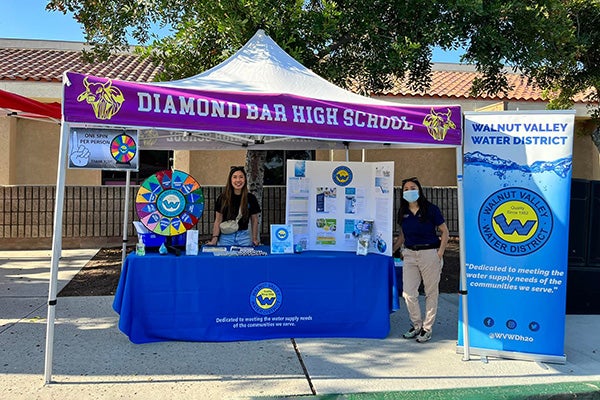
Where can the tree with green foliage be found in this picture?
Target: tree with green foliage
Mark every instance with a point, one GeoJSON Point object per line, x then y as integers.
{"type": "Point", "coordinates": [553, 43]}
{"type": "Point", "coordinates": [366, 45]}
{"type": "Point", "coordinates": [368, 41]}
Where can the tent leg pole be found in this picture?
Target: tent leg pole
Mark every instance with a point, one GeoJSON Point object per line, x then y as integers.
{"type": "Point", "coordinates": [125, 217]}
{"type": "Point", "coordinates": [56, 250]}
{"type": "Point", "coordinates": [463, 273]}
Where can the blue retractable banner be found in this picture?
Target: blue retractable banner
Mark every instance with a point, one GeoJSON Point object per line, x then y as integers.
{"type": "Point", "coordinates": [517, 183]}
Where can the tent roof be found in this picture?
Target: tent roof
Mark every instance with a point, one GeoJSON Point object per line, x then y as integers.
{"type": "Point", "coordinates": [261, 66]}
{"type": "Point", "coordinates": [261, 98]}
{"type": "Point", "coordinates": [24, 107]}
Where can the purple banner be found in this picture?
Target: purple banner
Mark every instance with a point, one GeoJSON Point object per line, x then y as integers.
{"type": "Point", "coordinates": [96, 100]}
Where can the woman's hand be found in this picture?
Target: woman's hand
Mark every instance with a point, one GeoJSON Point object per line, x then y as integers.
{"type": "Point", "coordinates": [254, 229]}
{"type": "Point", "coordinates": [216, 230]}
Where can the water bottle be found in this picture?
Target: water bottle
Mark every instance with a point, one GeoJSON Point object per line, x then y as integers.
{"type": "Point", "coordinates": [140, 248]}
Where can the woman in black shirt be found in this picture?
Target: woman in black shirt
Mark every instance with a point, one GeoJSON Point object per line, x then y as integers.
{"type": "Point", "coordinates": [234, 202]}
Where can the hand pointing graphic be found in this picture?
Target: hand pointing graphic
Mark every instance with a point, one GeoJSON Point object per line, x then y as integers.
{"type": "Point", "coordinates": [81, 156]}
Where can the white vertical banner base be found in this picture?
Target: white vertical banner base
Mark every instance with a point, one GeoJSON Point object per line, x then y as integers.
{"type": "Point", "coordinates": [512, 355]}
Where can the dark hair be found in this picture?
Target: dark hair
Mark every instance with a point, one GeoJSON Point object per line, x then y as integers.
{"type": "Point", "coordinates": [228, 193]}
{"type": "Point", "coordinates": [413, 179]}
{"type": "Point", "coordinates": [421, 201]}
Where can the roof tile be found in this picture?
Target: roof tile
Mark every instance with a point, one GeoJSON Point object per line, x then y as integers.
{"type": "Point", "coordinates": [448, 81]}
{"type": "Point", "coordinates": [49, 65]}
{"type": "Point", "coordinates": [450, 84]}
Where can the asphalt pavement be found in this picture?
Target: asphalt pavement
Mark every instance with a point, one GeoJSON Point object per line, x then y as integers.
{"type": "Point", "coordinates": [94, 360]}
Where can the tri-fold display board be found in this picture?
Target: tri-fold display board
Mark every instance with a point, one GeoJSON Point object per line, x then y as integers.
{"type": "Point", "coordinates": [332, 204]}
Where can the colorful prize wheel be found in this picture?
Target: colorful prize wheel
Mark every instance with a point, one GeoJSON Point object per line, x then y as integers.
{"type": "Point", "coordinates": [123, 148]}
{"type": "Point", "coordinates": [169, 202]}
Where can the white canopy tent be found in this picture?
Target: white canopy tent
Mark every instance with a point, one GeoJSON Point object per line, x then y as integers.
{"type": "Point", "coordinates": [260, 98]}
{"type": "Point", "coordinates": [261, 66]}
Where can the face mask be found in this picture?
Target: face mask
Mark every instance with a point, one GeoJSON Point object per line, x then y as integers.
{"type": "Point", "coordinates": [410, 195]}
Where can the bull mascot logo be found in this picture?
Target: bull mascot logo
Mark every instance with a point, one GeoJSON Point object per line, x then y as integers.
{"type": "Point", "coordinates": [437, 124]}
{"type": "Point", "coordinates": [106, 100]}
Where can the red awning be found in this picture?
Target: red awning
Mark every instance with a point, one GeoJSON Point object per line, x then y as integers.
{"type": "Point", "coordinates": [25, 107]}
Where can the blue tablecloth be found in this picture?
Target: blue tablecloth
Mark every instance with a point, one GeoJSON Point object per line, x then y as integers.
{"type": "Point", "coordinates": [220, 298]}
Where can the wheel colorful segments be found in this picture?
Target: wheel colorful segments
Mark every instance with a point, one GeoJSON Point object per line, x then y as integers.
{"type": "Point", "coordinates": [169, 202]}
{"type": "Point", "coordinates": [123, 148]}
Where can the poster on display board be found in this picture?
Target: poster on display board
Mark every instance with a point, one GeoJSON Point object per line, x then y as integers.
{"type": "Point", "coordinates": [517, 180]}
{"type": "Point", "coordinates": [329, 203]}
{"type": "Point", "coordinates": [107, 149]}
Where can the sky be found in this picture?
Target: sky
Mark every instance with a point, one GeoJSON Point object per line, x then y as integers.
{"type": "Point", "coordinates": [28, 19]}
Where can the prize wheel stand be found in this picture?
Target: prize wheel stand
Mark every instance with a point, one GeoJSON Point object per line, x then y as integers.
{"type": "Point", "coordinates": [169, 203]}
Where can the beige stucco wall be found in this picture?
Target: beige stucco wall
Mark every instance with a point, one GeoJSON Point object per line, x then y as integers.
{"type": "Point", "coordinates": [29, 156]}
{"type": "Point", "coordinates": [209, 168]}
{"type": "Point", "coordinates": [8, 140]}
{"type": "Point", "coordinates": [586, 158]}
{"type": "Point", "coordinates": [433, 167]}
{"type": "Point", "coordinates": [33, 158]}
{"type": "Point", "coordinates": [437, 167]}
{"type": "Point", "coordinates": [36, 153]}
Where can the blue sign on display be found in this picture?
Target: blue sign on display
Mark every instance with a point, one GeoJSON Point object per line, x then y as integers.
{"type": "Point", "coordinates": [517, 176]}
{"type": "Point", "coordinates": [282, 240]}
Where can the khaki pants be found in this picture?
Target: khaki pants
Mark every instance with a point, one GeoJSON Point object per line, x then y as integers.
{"type": "Point", "coordinates": [426, 266]}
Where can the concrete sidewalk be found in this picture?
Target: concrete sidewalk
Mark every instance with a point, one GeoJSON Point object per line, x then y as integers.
{"type": "Point", "coordinates": [94, 360]}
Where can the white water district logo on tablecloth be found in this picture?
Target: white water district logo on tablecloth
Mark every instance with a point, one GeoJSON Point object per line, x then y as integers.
{"type": "Point", "coordinates": [515, 221]}
{"type": "Point", "coordinates": [266, 298]}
